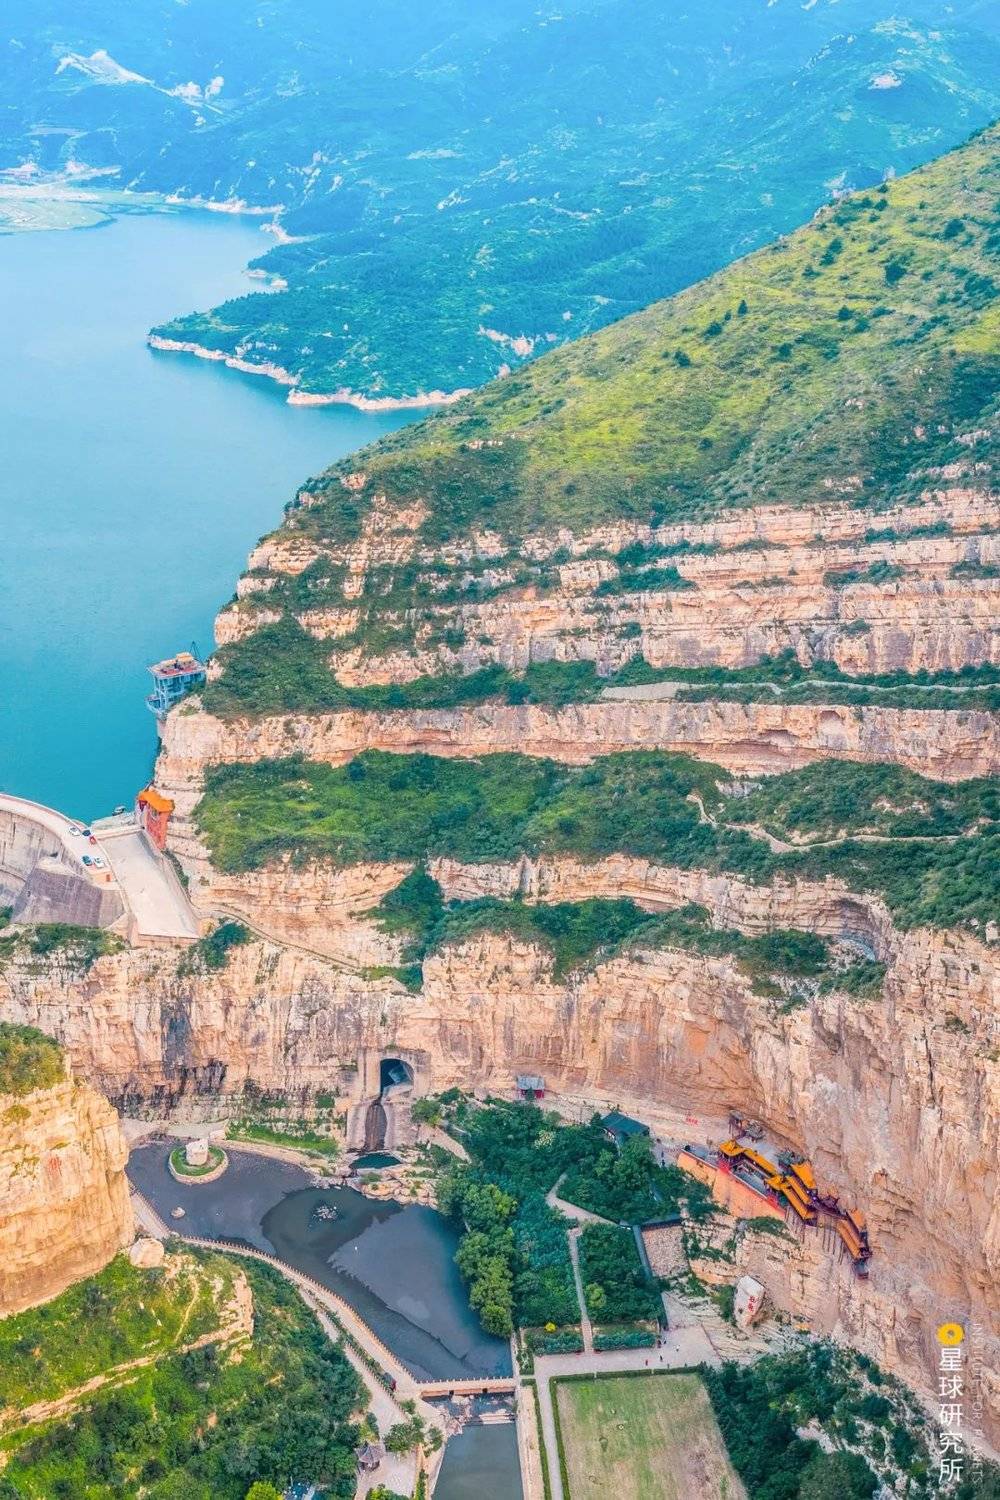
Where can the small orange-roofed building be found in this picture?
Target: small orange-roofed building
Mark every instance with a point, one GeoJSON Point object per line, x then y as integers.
{"type": "Point", "coordinates": [154, 814]}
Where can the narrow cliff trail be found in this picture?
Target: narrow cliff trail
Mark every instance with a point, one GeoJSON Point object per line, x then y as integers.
{"type": "Point", "coordinates": [785, 846]}
{"type": "Point", "coordinates": [238, 1324]}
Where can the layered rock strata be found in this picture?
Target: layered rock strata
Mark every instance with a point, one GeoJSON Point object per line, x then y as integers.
{"type": "Point", "coordinates": [751, 738]}
{"type": "Point", "coordinates": [905, 589]}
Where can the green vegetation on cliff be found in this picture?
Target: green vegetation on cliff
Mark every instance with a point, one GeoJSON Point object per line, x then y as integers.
{"type": "Point", "coordinates": [77, 947]}
{"type": "Point", "coordinates": [580, 933]}
{"type": "Point", "coordinates": [211, 953]}
{"type": "Point", "coordinates": [643, 803]}
{"type": "Point", "coordinates": [28, 1060]}
{"type": "Point", "coordinates": [841, 796]}
{"type": "Point", "coordinates": [411, 807]}
{"type": "Point", "coordinates": [201, 1425]}
{"type": "Point", "coordinates": [282, 669]}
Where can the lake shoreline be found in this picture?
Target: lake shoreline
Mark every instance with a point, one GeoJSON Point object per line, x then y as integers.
{"type": "Point", "coordinates": [149, 479]}
{"type": "Point", "coordinates": [298, 397]}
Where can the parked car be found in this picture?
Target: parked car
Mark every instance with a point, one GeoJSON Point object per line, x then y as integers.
{"type": "Point", "coordinates": [73, 828]}
{"type": "Point", "coordinates": [97, 863]}
{"type": "Point", "coordinates": [93, 839]}
{"type": "Point", "coordinates": [87, 859]}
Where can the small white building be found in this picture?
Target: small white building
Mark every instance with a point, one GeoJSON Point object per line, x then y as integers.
{"type": "Point", "coordinates": [196, 1153]}
{"type": "Point", "coordinates": [748, 1301]}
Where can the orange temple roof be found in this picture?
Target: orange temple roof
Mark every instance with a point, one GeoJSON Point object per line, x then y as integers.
{"type": "Point", "coordinates": [150, 797]}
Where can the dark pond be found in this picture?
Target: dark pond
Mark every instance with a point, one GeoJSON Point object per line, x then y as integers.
{"type": "Point", "coordinates": [481, 1463]}
{"type": "Point", "coordinates": [373, 1160]}
{"type": "Point", "coordinates": [393, 1264]}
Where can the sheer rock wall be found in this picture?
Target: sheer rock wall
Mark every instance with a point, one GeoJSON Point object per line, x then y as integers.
{"type": "Point", "coordinates": [64, 1202]}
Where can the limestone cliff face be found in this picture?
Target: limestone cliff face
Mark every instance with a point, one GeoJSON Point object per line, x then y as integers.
{"type": "Point", "coordinates": [896, 1100]}
{"type": "Point", "coordinates": [324, 909]}
{"type": "Point", "coordinates": [64, 1203]}
{"type": "Point", "coordinates": [873, 592]}
{"type": "Point", "coordinates": [752, 738]}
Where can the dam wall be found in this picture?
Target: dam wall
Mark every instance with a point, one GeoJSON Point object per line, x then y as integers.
{"type": "Point", "coordinates": [42, 874]}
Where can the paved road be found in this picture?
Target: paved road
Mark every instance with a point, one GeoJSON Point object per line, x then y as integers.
{"type": "Point", "coordinates": [58, 826]}
{"type": "Point", "coordinates": [151, 889]}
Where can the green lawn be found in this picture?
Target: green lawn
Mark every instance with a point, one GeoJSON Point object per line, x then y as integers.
{"type": "Point", "coordinates": [305, 1140]}
{"type": "Point", "coordinates": [651, 1437]}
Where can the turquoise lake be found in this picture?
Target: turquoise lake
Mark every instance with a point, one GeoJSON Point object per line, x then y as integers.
{"type": "Point", "coordinates": [132, 486]}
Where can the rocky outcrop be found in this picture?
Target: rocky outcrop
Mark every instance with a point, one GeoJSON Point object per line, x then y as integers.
{"type": "Point", "coordinates": [896, 1100]}
{"type": "Point", "coordinates": [925, 621]}
{"type": "Point", "coordinates": [64, 1202]}
{"type": "Point", "coordinates": [752, 738]}
{"type": "Point", "coordinates": [389, 533]}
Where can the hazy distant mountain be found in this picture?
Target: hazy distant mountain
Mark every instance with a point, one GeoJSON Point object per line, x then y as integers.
{"type": "Point", "coordinates": [478, 182]}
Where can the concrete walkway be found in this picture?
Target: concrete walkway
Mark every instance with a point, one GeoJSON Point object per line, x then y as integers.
{"type": "Point", "coordinates": [586, 1327]}
{"type": "Point", "coordinates": [155, 897]}
{"type": "Point", "coordinates": [396, 1471]}
{"type": "Point", "coordinates": [581, 1215]}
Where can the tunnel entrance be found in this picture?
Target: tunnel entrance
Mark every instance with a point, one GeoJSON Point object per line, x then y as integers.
{"type": "Point", "coordinates": [392, 1072]}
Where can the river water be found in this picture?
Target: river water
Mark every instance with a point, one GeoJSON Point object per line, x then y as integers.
{"type": "Point", "coordinates": [132, 485]}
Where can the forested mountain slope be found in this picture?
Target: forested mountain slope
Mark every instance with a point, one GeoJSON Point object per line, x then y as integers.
{"type": "Point", "coordinates": [795, 455]}
{"type": "Point", "coordinates": [755, 523]}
